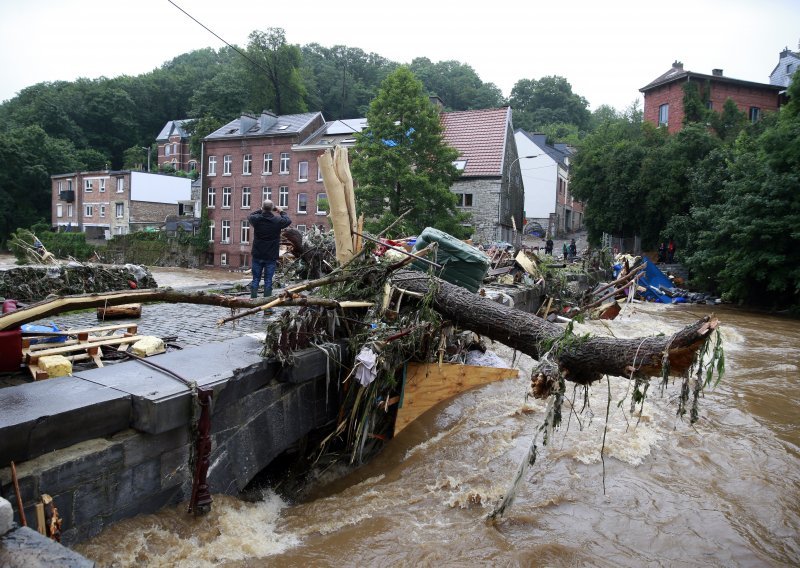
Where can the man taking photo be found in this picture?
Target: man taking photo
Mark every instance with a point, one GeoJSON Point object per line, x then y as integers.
{"type": "Point", "coordinates": [266, 244]}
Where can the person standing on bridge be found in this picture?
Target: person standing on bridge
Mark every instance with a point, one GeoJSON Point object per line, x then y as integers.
{"type": "Point", "coordinates": [266, 244]}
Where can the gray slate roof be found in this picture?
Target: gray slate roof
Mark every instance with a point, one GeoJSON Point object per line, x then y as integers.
{"type": "Point", "coordinates": [559, 152]}
{"type": "Point", "coordinates": [172, 128]}
{"type": "Point", "coordinates": [266, 124]}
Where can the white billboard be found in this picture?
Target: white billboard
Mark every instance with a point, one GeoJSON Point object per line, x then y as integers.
{"type": "Point", "coordinates": [160, 188]}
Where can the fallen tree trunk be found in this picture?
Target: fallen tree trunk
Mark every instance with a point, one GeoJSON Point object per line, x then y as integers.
{"type": "Point", "coordinates": [583, 360]}
{"type": "Point", "coordinates": [47, 308]}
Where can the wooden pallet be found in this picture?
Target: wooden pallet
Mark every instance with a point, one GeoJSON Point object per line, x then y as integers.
{"type": "Point", "coordinates": [84, 344]}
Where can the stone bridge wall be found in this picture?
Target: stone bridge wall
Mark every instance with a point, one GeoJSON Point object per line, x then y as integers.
{"type": "Point", "coordinates": [112, 443]}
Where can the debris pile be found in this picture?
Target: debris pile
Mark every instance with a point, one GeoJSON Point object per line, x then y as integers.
{"type": "Point", "coordinates": [35, 283]}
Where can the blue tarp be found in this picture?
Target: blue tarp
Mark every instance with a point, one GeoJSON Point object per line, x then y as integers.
{"type": "Point", "coordinates": [654, 280]}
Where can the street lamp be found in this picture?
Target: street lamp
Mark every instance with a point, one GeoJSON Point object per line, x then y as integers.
{"type": "Point", "coordinates": [148, 156]}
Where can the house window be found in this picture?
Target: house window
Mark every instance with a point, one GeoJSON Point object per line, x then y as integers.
{"type": "Point", "coordinates": [120, 185]}
{"type": "Point", "coordinates": [210, 231]}
{"type": "Point", "coordinates": [247, 164]}
{"type": "Point", "coordinates": [301, 228]}
{"type": "Point", "coordinates": [302, 203]}
{"type": "Point", "coordinates": [175, 148]}
{"type": "Point", "coordinates": [192, 166]}
{"type": "Point", "coordinates": [87, 185]}
{"type": "Point", "coordinates": [59, 210]}
{"type": "Point", "coordinates": [102, 188]}
{"type": "Point", "coordinates": [267, 164]}
{"type": "Point", "coordinates": [244, 259]}
{"type": "Point", "coordinates": [245, 198]}
{"type": "Point", "coordinates": [283, 197]}
{"type": "Point", "coordinates": [709, 105]}
{"type": "Point", "coordinates": [464, 199]}
{"type": "Point", "coordinates": [284, 163]}
{"type": "Point", "coordinates": [245, 234]}
{"type": "Point", "coordinates": [212, 165]}
{"type": "Point", "coordinates": [322, 202]}
{"type": "Point", "coordinates": [89, 210]}
{"type": "Point", "coordinates": [226, 164]}
{"type": "Point", "coordinates": [119, 209]}
{"type": "Point", "coordinates": [212, 197]}
{"type": "Point", "coordinates": [102, 210]}
{"type": "Point", "coordinates": [266, 193]}
{"type": "Point", "coordinates": [226, 197]}
{"type": "Point", "coordinates": [226, 231]}
{"type": "Point", "coordinates": [789, 68]}
{"type": "Point", "coordinates": [755, 114]}
{"type": "Point", "coordinates": [60, 186]}
{"type": "Point", "coordinates": [319, 173]}
{"type": "Point", "coordinates": [223, 258]}
{"type": "Point", "coordinates": [166, 149]}
{"type": "Point", "coordinates": [302, 171]}
{"type": "Point", "coordinates": [69, 210]}
{"type": "Point", "coordinates": [69, 185]}
{"type": "Point", "coordinates": [663, 115]}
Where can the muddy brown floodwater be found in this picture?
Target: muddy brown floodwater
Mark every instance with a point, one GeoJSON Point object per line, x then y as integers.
{"type": "Point", "coordinates": [725, 492]}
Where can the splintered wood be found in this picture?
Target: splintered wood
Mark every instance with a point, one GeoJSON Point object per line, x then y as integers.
{"type": "Point", "coordinates": [338, 182]}
{"type": "Point", "coordinates": [428, 384]}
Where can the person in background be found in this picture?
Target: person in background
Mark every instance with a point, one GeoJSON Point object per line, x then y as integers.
{"type": "Point", "coordinates": [671, 251]}
{"type": "Point", "coordinates": [266, 244]}
{"type": "Point", "coordinates": [573, 249]}
{"type": "Point", "coordinates": [565, 250]}
{"type": "Point", "coordinates": [548, 246]}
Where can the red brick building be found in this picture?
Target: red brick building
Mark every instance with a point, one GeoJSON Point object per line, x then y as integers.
{"type": "Point", "coordinates": [663, 97]}
{"type": "Point", "coordinates": [254, 158]}
{"type": "Point", "coordinates": [173, 147]}
{"type": "Point", "coordinates": [107, 203]}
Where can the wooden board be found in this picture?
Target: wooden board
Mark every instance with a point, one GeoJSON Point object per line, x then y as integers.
{"type": "Point", "coordinates": [428, 384]}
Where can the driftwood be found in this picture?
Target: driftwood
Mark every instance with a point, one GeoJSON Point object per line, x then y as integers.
{"type": "Point", "coordinates": [581, 360]}
{"type": "Point", "coordinates": [119, 312]}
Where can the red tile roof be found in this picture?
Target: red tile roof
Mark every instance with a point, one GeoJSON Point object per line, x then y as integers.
{"type": "Point", "coordinates": [480, 138]}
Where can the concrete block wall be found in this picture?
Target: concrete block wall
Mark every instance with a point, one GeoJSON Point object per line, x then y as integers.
{"type": "Point", "coordinates": [260, 410]}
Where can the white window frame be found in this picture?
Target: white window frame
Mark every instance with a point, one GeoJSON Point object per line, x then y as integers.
{"type": "Point", "coordinates": [102, 188]}
{"type": "Point", "coordinates": [223, 259]}
{"type": "Point", "coordinates": [755, 114]}
{"type": "Point", "coordinates": [283, 196]}
{"type": "Point", "coordinates": [119, 210]}
{"type": "Point", "coordinates": [227, 163]}
{"type": "Point", "coordinates": [211, 226]}
{"type": "Point", "coordinates": [284, 163]}
{"type": "Point", "coordinates": [302, 171]}
{"type": "Point", "coordinates": [211, 200]}
{"type": "Point", "coordinates": [663, 114]}
{"type": "Point", "coordinates": [102, 210]}
{"type": "Point", "coordinates": [212, 166]}
{"type": "Point", "coordinates": [245, 232]}
{"type": "Point", "coordinates": [320, 196]}
{"type": "Point", "coordinates": [69, 210]}
{"type": "Point", "coordinates": [225, 231]}
{"type": "Point", "coordinates": [59, 209]}
{"type": "Point", "coordinates": [301, 228]}
{"type": "Point", "coordinates": [120, 185]}
{"type": "Point", "coordinates": [192, 166]}
{"type": "Point", "coordinates": [266, 193]}
{"type": "Point", "coordinates": [247, 164]}
{"type": "Point", "coordinates": [88, 210]}
{"type": "Point", "coordinates": [246, 197]}
{"type": "Point", "coordinates": [167, 149]}
{"type": "Point", "coordinates": [302, 198]}
{"type": "Point", "coordinates": [267, 167]}
{"type": "Point", "coordinates": [462, 199]}
{"type": "Point", "coordinates": [87, 185]}
{"type": "Point", "coordinates": [227, 192]}
{"type": "Point", "coordinates": [319, 173]}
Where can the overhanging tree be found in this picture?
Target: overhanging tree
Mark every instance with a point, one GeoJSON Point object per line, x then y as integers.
{"type": "Point", "coordinates": [401, 161]}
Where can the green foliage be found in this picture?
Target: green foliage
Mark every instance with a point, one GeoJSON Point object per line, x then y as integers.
{"type": "Point", "coordinates": [728, 123]}
{"type": "Point", "coordinates": [402, 162]}
{"type": "Point", "coordinates": [546, 101]}
{"type": "Point", "coordinates": [456, 84]}
{"type": "Point", "coordinates": [199, 129]}
{"type": "Point", "coordinates": [276, 83]}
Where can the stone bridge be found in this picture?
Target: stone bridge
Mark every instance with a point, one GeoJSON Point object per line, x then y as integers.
{"type": "Point", "coordinates": [114, 442]}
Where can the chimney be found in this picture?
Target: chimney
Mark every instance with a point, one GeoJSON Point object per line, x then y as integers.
{"type": "Point", "coordinates": [677, 65]}
{"type": "Point", "coordinates": [716, 72]}
{"type": "Point", "coordinates": [267, 119]}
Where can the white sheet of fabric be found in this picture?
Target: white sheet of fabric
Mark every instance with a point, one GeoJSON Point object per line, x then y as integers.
{"type": "Point", "coordinates": [367, 369]}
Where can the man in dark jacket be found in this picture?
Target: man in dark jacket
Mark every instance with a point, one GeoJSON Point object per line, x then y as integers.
{"type": "Point", "coordinates": [266, 243]}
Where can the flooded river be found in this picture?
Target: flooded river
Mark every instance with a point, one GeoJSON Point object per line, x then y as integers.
{"type": "Point", "coordinates": [725, 492]}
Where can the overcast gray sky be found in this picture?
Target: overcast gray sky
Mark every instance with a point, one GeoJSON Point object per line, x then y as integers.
{"type": "Point", "coordinates": [606, 50]}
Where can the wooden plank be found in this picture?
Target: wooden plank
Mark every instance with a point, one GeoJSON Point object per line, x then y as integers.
{"type": "Point", "coordinates": [428, 384]}
{"type": "Point", "coordinates": [32, 358]}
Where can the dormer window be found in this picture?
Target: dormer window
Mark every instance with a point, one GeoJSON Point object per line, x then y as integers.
{"type": "Point", "coordinates": [460, 165]}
